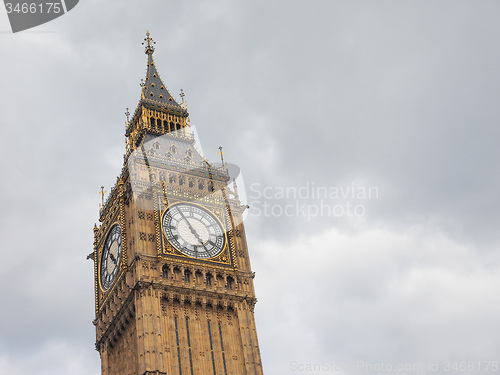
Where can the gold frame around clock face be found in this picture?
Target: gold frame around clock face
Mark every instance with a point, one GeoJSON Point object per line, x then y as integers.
{"type": "Point", "coordinates": [111, 257]}
{"type": "Point", "coordinates": [193, 230]}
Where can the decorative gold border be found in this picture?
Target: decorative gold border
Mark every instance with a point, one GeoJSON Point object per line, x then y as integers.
{"type": "Point", "coordinates": [204, 208]}
{"type": "Point", "coordinates": [101, 252]}
{"type": "Point", "coordinates": [230, 235]}
{"type": "Point", "coordinates": [121, 218]}
{"type": "Point", "coordinates": [224, 258]}
{"type": "Point", "coordinates": [117, 216]}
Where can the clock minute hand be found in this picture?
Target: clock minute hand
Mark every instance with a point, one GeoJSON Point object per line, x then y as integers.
{"type": "Point", "coordinates": [193, 231]}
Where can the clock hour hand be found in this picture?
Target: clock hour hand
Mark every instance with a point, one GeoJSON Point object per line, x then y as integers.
{"type": "Point", "coordinates": [112, 257]}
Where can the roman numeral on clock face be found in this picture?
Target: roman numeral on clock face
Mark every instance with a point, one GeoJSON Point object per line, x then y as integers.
{"type": "Point", "coordinates": [111, 257]}
{"type": "Point", "coordinates": [193, 230]}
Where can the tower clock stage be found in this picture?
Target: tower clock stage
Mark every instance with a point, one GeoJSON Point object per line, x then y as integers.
{"type": "Point", "coordinates": [193, 231]}
{"type": "Point", "coordinates": [174, 288]}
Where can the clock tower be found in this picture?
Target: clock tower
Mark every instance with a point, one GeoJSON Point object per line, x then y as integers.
{"type": "Point", "coordinates": [173, 285]}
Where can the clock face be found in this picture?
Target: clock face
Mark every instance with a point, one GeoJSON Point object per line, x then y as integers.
{"type": "Point", "coordinates": [111, 256]}
{"type": "Point", "coordinates": [193, 231]}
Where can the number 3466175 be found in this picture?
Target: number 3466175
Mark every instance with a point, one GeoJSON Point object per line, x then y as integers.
{"type": "Point", "coordinates": [471, 366]}
{"type": "Point", "coordinates": [24, 8]}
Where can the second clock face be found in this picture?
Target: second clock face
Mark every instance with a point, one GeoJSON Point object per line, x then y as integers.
{"type": "Point", "coordinates": [111, 256]}
{"type": "Point", "coordinates": [193, 231]}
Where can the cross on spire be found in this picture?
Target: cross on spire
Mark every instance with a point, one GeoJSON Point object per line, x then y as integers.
{"type": "Point", "coordinates": [149, 44]}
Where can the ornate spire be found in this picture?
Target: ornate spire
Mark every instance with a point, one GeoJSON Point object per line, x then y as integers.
{"type": "Point", "coordinates": [153, 88]}
{"type": "Point", "coordinates": [149, 44]}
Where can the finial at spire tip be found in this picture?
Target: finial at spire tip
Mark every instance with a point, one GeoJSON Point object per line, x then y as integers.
{"type": "Point", "coordinates": [149, 49]}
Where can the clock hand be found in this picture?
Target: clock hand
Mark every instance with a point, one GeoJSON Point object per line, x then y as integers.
{"type": "Point", "coordinates": [112, 257]}
{"type": "Point", "coordinates": [193, 231]}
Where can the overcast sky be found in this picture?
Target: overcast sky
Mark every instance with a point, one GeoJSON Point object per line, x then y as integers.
{"type": "Point", "coordinates": [367, 135]}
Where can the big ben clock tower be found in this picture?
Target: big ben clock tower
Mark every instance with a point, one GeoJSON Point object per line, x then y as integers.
{"type": "Point", "coordinates": [173, 285]}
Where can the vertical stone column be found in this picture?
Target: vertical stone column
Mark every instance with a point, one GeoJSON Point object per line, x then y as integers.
{"type": "Point", "coordinates": [104, 360]}
{"type": "Point", "coordinates": [140, 316]}
{"type": "Point", "coordinates": [157, 333]}
{"type": "Point", "coordinates": [234, 348]}
{"type": "Point", "coordinates": [251, 354]}
{"type": "Point", "coordinates": [203, 339]}
{"type": "Point", "coordinates": [168, 342]}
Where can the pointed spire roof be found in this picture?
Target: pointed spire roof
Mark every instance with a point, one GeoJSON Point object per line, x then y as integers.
{"type": "Point", "coordinates": [154, 90]}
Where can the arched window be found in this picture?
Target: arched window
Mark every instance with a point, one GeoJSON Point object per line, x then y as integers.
{"type": "Point", "coordinates": [208, 279]}
{"type": "Point", "coordinates": [230, 282]}
{"type": "Point", "coordinates": [164, 272]}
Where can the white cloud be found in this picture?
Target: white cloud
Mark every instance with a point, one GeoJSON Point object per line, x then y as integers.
{"type": "Point", "coordinates": [56, 357]}
{"type": "Point", "coordinates": [377, 296]}
{"type": "Point", "coordinates": [398, 95]}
